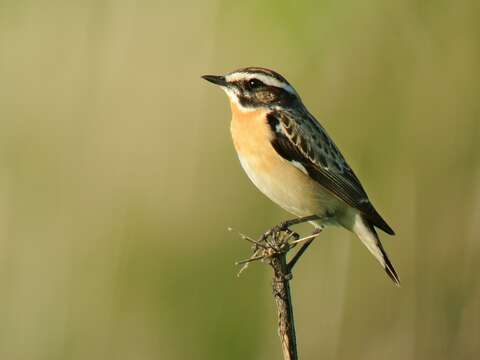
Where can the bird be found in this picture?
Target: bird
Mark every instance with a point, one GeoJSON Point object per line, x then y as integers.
{"type": "Point", "coordinates": [290, 158]}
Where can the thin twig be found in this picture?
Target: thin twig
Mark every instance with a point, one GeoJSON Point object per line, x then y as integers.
{"type": "Point", "coordinates": [309, 237]}
{"type": "Point", "coordinates": [249, 260]}
{"type": "Point", "coordinates": [309, 240]}
{"type": "Point", "coordinates": [249, 239]}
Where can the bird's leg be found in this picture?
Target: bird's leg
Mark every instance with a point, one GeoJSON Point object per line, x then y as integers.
{"type": "Point", "coordinates": [286, 224]}
{"type": "Point", "coordinates": [304, 247]}
{"type": "Point", "coordinates": [284, 227]}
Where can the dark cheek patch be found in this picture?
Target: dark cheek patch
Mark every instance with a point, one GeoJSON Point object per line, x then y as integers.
{"type": "Point", "coordinates": [266, 97]}
{"type": "Point", "coordinates": [246, 101]}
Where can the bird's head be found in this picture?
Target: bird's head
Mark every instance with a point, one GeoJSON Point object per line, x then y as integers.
{"type": "Point", "coordinates": [254, 88]}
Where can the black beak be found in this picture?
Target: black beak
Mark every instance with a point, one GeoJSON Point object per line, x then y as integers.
{"type": "Point", "coordinates": [217, 80]}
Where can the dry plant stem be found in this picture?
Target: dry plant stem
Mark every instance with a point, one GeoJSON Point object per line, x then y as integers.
{"type": "Point", "coordinates": [304, 247]}
{"type": "Point", "coordinates": [283, 300]}
{"type": "Point", "coordinates": [298, 254]}
{"type": "Point", "coordinates": [274, 246]}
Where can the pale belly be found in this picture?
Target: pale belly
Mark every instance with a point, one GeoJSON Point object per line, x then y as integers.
{"type": "Point", "coordinates": [288, 186]}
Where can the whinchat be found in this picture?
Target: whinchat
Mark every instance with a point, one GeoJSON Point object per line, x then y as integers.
{"type": "Point", "coordinates": [290, 157]}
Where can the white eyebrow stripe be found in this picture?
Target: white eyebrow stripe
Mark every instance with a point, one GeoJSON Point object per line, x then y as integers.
{"type": "Point", "coordinates": [267, 80]}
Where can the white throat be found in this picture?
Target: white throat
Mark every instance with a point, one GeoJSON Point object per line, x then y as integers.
{"type": "Point", "coordinates": [233, 96]}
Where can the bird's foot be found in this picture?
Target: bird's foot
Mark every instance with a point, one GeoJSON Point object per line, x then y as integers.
{"type": "Point", "coordinates": [273, 242]}
{"type": "Point", "coordinates": [280, 239]}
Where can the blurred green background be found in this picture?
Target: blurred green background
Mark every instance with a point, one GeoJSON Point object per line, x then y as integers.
{"type": "Point", "coordinates": [118, 179]}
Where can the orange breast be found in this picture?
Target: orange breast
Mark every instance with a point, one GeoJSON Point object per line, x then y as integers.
{"type": "Point", "coordinates": [277, 178]}
{"type": "Point", "coordinates": [250, 130]}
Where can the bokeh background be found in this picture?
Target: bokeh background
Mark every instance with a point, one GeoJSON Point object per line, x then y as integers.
{"type": "Point", "coordinates": [118, 179]}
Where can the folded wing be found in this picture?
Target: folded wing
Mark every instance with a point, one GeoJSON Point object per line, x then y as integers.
{"type": "Point", "coordinates": [307, 143]}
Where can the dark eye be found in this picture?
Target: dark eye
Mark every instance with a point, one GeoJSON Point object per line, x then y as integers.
{"type": "Point", "coordinates": [254, 84]}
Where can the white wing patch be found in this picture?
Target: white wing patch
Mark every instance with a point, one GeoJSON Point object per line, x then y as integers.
{"type": "Point", "coordinates": [299, 166]}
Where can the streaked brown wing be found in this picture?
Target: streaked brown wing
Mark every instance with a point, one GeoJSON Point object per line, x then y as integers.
{"type": "Point", "coordinates": [307, 143]}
